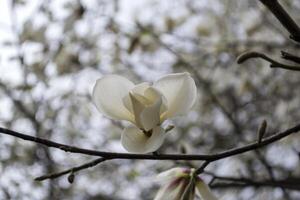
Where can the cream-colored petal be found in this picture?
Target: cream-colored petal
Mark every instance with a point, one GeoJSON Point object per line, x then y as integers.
{"type": "Point", "coordinates": [150, 116]}
{"type": "Point", "coordinates": [180, 91]}
{"type": "Point", "coordinates": [142, 99]}
{"type": "Point", "coordinates": [127, 103]}
{"type": "Point", "coordinates": [135, 141]}
{"type": "Point", "coordinates": [172, 173]}
{"type": "Point", "coordinates": [177, 184]}
{"type": "Point", "coordinates": [204, 190]}
{"type": "Point", "coordinates": [146, 108]}
{"type": "Point", "coordinates": [153, 94]}
{"type": "Point", "coordinates": [146, 113]}
{"type": "Point", "coordinates": [139, 90]}
{"type": "Point", "coordinates": [138, 105]}
{"type": "Point", "coordinates": [108, 95]}
{"type": "Point", "coordinates": [171, 191]}
{"type": "Point", "coordinates": [156, 139]}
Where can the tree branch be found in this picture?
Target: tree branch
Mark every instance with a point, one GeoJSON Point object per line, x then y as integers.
{"type": "Point", "coordinates": [202, 167]}
{"type": "Point", "coordinates": [291, 57]}
{"type": "Point", "coordinates": [113, 155]}
{"type": "Point", "coordinates": [269, 170]}
{"type": "Point", "coordinates": [71, 170]}
{"type": "Point", "coordinates": [284, 18]}
{"type": "Point", "coordinates": [227, 181]}
{"type": "Point", "coordinates": [274, 64]}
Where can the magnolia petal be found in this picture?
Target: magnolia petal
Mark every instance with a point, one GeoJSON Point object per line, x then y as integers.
{"type": "Point", "coordinates": [171, 191]}
{"type": "Point", "coordinates": [142, 99]}
{"type": "Point", "coordinates": [137, 106]}
{"type": "Point", "coordinates": [146, 113]}
{"type": "Point", "coordinates": [156, 140]}
{"type": "Point", "coordinates": [175, 172]}
{"type": "Point", "coordinates": [189, 192]}
{"type": "Point", "coordinates": [150, 116]}
{"type": "Point", "coordinates": [180, 91]}
{"type": "Point", "coordinates": [135, 141]}
{"type": "Point", "coordinates": [153, 94]}
{"type": "Point", "coordinates": [204, 190]}
{"type": "Point", "coordinates": [108, 95]}
{"type": "Point", "coordinates": [127, 103]}
{"type": "Point", "coordinates": [138, 89]}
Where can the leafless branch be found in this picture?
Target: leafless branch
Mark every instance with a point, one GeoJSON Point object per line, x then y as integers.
{"type": "Point", "coordinates": [111, 155]}
{"type": "Point", "coordinates": [71, 170]}
{"type": "Point", "coordinates": [274, 64]}
{"type": "Point", "coordinates": [284, 18]}
{"type": "Point", "coordinates": [291, 57]}
{"type": "Point", "coordinates": [227, 182]}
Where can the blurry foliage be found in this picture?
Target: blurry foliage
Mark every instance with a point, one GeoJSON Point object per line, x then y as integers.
{"type": "Point", "coordinates": [57, 50]}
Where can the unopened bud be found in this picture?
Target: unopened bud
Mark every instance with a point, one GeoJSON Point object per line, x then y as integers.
{"type": "Point", "coordinates": [262, 130]}
{"type": "Point", "coordinates": [71, 178]}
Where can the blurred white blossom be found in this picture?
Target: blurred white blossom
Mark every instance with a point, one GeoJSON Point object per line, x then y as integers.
{"type": "Point", "coordinates": [180, 184]}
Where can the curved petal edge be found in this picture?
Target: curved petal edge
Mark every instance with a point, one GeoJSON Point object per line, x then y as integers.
{"type": "Point", "coordinates": [108, 94]}
{"type": "Point", "coordinates": [180, 92]}
{"type": "Point", "coordinates": [136, 141]}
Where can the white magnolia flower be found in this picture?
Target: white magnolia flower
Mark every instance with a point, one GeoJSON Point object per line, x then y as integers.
{"type": "Point", "coordinates": [181, 184]}
{"type": "Point", "coordinates": [146, 106]}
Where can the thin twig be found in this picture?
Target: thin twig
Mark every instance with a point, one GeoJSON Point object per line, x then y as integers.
{"type": "Point", "coordinates": [274, 64]}
{"type": "Point", "coordinates": [228, 181]}
{"type": "Point", "coordinates": [289, 56]}
{"type": "Point", "coordinates": [269, 169]}
{"type": "Point", "coordinates": [202, 167]}
{"type": "Point", "coordinates": [71, 170]}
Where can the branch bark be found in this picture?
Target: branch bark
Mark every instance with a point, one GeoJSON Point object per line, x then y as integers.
{"type": "Point", "coordinates": [274, 64]}
{"type": "Point", "coordinates": [71, 170]}
{"type": "Point", "coordinates": [284, 18]}
{"type": "Point", "coordinates": [237, 182]}
{"type": "Point", "coordinates": [113, 155]}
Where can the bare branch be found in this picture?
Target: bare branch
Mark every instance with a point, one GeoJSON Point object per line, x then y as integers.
{"type": "Point", "coordinates": [291, 57]}
{"type": "Point", "coordinates": [284, 18]}
{"type": "Point", "coordinates": [71, 170]}
{"type": "Point", "coordinates": [202, 167]}
{"type": "Point", "coordinates": [113, 155]}
{"type": "Point", "coordinates": [228, 181]}
{"type": "Point", "coordinates": [274, 64]}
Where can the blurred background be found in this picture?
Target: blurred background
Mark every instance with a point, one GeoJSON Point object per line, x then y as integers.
{"type": "Point", "coordinates": [53, 51]}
